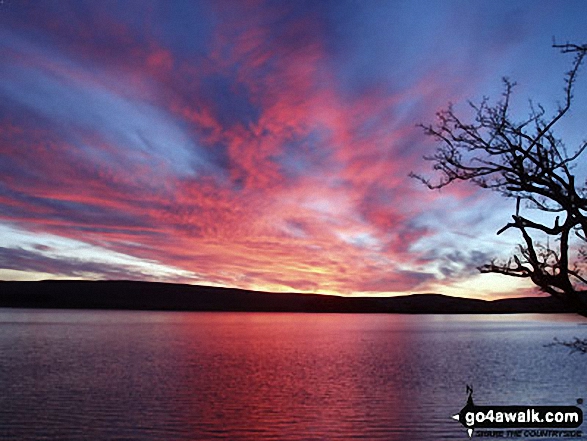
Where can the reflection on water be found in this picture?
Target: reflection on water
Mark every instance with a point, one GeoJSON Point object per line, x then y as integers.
{"type": "Point", "coordinates": [262, 376]}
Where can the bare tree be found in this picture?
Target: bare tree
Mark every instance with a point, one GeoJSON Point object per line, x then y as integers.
{"type": "Point", "coordinates": [524, 160]}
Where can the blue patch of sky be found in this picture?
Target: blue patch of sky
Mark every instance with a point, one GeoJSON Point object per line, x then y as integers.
{"type": "Point", "coordinates": [513, 39]}
{"type": "Point", "coordinates": [396, 44]}
{"type": "Point", "coordinates": [381, 42]}
{"type": "Point", "coordinates": [231, 101]}
{"type": "Point", "coordinates": [184, 27]}
{"type": "Point", "coordinates": [72, 23]}
{"type": "Point", "coordinates": [307, 154]}
{"type": "Point", "coordinates": [131, 125]}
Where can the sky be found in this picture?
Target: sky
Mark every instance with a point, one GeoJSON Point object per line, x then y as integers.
{"type": "Point", "coordinates": [262, 144]}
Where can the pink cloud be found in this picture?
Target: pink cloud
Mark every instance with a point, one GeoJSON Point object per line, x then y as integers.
{"type": "Point", "coordinates": [262, 213]}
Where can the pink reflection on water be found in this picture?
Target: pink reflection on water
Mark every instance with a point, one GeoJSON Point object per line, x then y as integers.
{"type": "Point", "coordinates": [269, 376]}
{"type": "Point", "coordinates": [305, 379]}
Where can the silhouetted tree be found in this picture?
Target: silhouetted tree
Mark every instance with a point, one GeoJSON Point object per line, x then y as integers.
{"type": "Point", "coordinates": [526, 161]}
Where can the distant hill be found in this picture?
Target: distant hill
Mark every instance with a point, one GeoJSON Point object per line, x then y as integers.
{"type": "Point", "coordinates": [70, 294]}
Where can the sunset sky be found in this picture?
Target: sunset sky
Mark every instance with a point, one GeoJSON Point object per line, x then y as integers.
{"type": "Point", "coordinates": [261, 145]}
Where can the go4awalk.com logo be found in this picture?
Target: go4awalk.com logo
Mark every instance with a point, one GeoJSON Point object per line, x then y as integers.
{"type": "Point", "coordinates": [520, 421]}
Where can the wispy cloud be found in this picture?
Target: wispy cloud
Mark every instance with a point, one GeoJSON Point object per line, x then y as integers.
{"type": "Point", "coordinates": [254, 144]}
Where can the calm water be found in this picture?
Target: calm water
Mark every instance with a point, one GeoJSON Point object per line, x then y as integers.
{"type": "Point", "coordinates": [262, 376]}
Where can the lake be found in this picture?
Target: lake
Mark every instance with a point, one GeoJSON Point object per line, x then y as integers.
{"type": "Point", "coordinates": [134, 375]}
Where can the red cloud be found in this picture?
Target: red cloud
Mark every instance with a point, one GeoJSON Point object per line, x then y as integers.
{"type": "Point", "coordinates": [340, 223]}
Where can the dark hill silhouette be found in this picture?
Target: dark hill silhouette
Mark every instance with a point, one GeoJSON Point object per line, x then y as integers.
{"type": "Point", "coordinates": [70, 294]}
